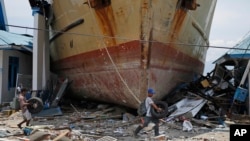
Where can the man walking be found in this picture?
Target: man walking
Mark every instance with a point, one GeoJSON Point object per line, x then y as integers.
{"type": "Point", "coordinates": [149, 104]}
{"type": "Point", "coordinates": [23, 105]}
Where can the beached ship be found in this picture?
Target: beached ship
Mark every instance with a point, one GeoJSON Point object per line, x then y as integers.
{"type": "Point", "coordinates": [114, 50]}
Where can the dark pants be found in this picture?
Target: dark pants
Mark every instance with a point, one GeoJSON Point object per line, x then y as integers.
{"type": "Point", "coordinates": [146, 122]}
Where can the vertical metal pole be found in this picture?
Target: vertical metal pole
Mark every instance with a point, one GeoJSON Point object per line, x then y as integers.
{"type": "Point", "coordinates": [17, 83]}
{"type": "Point", "coordinates": [243, 79]}
{"type": "Point", "coordinates": [245, 75]}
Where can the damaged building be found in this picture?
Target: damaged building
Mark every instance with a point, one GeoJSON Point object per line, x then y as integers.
{"type": "Point", "coordinates": [220, 94]}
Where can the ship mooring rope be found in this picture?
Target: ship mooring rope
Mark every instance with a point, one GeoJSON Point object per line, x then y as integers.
{"type": "Point", "coordinates": [116, 69]}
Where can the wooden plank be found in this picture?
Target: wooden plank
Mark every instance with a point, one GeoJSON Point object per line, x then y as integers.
{"type": "Point", "coordinates": [38, 136]}
{"type": "Point", "coordinates": [61, 135]}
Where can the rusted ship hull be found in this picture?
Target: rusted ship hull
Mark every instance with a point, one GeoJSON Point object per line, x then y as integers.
{"type": "Point", "coordinates": [113, 50]}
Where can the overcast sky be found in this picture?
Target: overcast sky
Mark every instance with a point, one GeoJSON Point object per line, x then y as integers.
{"type": "Point", "coordinates": [231, 23]}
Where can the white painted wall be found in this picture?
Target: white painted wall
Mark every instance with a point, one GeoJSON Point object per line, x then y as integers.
{"type": "Point", "coordinates": [25, 67]}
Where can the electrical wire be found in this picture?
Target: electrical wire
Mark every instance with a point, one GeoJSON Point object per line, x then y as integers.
{"type": "Point", "coordinates": [122, 38]}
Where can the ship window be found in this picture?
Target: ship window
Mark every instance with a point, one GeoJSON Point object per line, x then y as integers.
{"type": "Point", "coordinates": [97, 4]}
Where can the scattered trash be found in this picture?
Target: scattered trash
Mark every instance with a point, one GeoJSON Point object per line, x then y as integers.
{"type": "Point", "coordinates": [187, 126]}
{"type": "Point", "coordinates": [27, 131]}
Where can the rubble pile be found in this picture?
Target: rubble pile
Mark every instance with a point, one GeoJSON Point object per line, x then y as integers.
{"type": "Point", "coordinates": [107, 124]}
{"type": "Point", "coordinates": [202, 109]}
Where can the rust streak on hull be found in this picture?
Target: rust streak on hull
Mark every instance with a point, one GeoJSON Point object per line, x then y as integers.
{"type": "Point", "coordinates": [125, 46]}
{"type": "Point", "coordinates": [99, 77]}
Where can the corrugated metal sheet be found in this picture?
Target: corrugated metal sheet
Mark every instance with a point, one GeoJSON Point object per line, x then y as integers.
{"type": "Point", "coordinates": [240, 51]}
{"type": "Point", "coordinates": [8, 38]}
{"type": "Point", "coordinates": [243, 47]}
